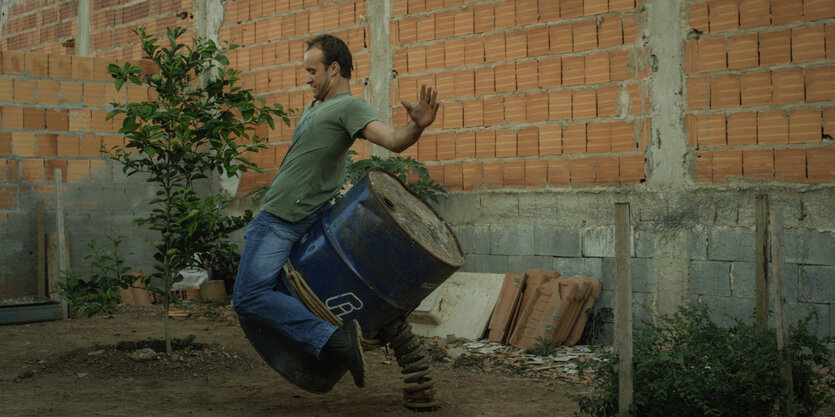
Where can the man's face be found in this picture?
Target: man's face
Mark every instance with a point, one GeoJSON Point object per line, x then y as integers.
{"type": "Point", "coordinates": [319, 76]}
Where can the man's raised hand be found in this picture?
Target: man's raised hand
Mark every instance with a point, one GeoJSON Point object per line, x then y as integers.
{"type": "Point", "coordinates": [423, 113]}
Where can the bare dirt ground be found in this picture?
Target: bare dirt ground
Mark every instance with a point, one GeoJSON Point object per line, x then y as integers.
{"type": "Point", "coordinates": [83, 367]}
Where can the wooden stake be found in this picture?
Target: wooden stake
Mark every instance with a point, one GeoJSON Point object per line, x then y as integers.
{"type": "Point", "coordinates": [53, 265]}
{"type": "Point", "coordinates": [781, 312]}
{"type": "Point", "coordinates": [59, 229]}
{"type": "Point", "coordinates": [761, 260]}
{"type": "Point", "coordinates": [41, 237]}
{"type": "Point", "coordinates": [623, 307]}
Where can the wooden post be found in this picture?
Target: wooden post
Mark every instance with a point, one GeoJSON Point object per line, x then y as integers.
{"type": "Point", "coordinates": [41, 236]}
{"type": "Point", "coordinates": [53, 265]}
{"type": "Point", "coordinates": [780, 311]}
{"type": "Point", "coordinates": [59, 229]}
{"type": "Point", "coordinates": [761, 260]}
{"type": "Point", "coordinates": [623, 307]}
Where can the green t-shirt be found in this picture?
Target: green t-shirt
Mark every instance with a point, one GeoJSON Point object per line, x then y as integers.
{"type": "Point", "coordinates": [314, 168]}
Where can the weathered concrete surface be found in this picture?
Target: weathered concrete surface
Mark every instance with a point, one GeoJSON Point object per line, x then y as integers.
{"type": "Point", "coordinates": [672, 269]}
{"type": "Point", "coordinates": [378, 87]}
{"type": "Point", "coordinates": [209, 18]}
{"type": "Point", "coordinates": [461, 306]}
{"type": "Point", "coordinates": [105, 205]}
{"type": "Point", "coordinates": [668, 156]}
{"type": "Point", "coordinates": [82, 41]}
{"type": "Point", "coordinates": [668, 153]}
{"type": "Point", "coordinates": [695, 244]}
{"type": "Point", "coordinates": [210, 14]}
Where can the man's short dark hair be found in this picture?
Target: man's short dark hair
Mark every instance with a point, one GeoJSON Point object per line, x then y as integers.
{"type": "Point", "coordinates": [335, 50]}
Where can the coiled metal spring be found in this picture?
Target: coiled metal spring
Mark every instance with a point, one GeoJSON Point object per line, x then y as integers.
{"type": "Point", "coordinates": [412, 357]}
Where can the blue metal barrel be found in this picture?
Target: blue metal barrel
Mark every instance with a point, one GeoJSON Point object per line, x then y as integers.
{"type": "Point", "coordinates": [377, 253]}
{"type": "Point", "coordinates": [372, 257]}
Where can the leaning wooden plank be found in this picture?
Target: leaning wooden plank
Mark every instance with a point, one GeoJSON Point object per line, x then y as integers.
{"type": "Point", "coordinates": [580, 324]}
{"type": "Point", "coordinates": [533, 280]}
{"type": "Point", "coordinates": [623, 307]}
{"type": "Point", "coordinates": [539, 316]}
{"type": "Point", "coordinates": [574, 291]}
{"type": "Point", "coordinates": [781, 310]}
{"type": "Point", "coordinates": [761, 259]}
{"type": "Point", "coordinates": [63, 253]}
{"type": "Point", "coordinates": [52, 264]}
{"type": "Point", "coordinates": [525, 332]}
{"type": "Point", "coordinates": [41, 239]}
{"type": "Point", "coordinates": [505, 306]}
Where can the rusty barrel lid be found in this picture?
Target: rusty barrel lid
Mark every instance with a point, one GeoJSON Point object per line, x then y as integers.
{"type": "Point", "coordinates": [417, 219]}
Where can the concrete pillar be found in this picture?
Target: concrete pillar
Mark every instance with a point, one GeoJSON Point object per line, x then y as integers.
{"type": "Point", "coordinates": [210, 15]}
{"type": "Point", "coordinates": [668, 153]}
{"type": "Point", "coordinates": [668, 156]}
{"type": "Point", "coordinates": [378, 89]}
{"type": "Point", "coordinates": [82, 38]}
{"type": "Point", "coordinates": [671, 266]}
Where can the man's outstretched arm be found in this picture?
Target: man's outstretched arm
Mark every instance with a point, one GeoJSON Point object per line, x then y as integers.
{"type": "Point", "coordinates": [421, 114]}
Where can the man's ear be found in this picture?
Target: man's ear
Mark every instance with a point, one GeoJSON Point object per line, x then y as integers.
{"type": "Point", "coordinates": [334, 65]}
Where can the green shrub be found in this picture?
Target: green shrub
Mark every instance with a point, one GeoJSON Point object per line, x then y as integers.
{"type": "Point", "coordinates": [402, 168]}
{"type": "Point", "coordinates": [542, 347]}
{"type": "Point", "coordinates": [100, 291]}
{"type": "Point", "coordinates": [595, 325]}
{"type": "Point", "coordinates": [687, 365]}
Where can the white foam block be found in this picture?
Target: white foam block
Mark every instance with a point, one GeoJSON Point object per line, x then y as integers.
{"type": "Point", "coordinates": [460, 306]}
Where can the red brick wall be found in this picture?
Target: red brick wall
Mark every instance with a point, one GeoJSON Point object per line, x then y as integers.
{"type": "Point", "coordinates": [51, 26]}
{"type": "Point", "coordinates": [533, 92]}
{"type": "Point", "coordinates": [528, 90]}
{"type": "Point", "coordinates": [40, 25]}
{"type": "Point", "coordinates": [760, 89]}
{"type": "Point", "coordinates": [112, 22]}
{"type": "Point", "coordinates": [52, 115]}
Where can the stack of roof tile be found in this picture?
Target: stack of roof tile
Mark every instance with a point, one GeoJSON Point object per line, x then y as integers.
{"type": "Point", "coordinates": [542, 305]}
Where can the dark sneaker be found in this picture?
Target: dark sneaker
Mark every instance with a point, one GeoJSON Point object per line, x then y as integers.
{"type": "Point", "coordinates": [356, 361]}
{"type": "Point", "coordinates": [345, 347]}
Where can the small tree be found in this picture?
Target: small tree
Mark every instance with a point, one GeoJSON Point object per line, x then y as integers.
{"type": "Point", "coordinates": [183, 134]}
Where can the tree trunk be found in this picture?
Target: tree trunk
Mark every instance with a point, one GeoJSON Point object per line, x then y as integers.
{"type": "Point", "coordinates": [168, 349]}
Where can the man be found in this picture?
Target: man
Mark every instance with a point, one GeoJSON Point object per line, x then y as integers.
{"type": "Point", "coordinates": [309, 177]}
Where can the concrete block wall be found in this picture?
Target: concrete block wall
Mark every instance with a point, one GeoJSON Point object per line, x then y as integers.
{"type": "Point", "coordinates": [52, 115]}
{"type": "Point", "coordinates": [572, 232]}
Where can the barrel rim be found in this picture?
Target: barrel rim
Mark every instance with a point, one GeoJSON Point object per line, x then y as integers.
{"type": "Point", "coordinates": [422, 201]}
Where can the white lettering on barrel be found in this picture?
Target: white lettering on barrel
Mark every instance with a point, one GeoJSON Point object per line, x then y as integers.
{"type": "Point", "coordinates": [343, 304]}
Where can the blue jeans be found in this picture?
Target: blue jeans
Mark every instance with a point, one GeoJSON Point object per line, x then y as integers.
{"type": "Point", "coordinates": [261, 297]}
